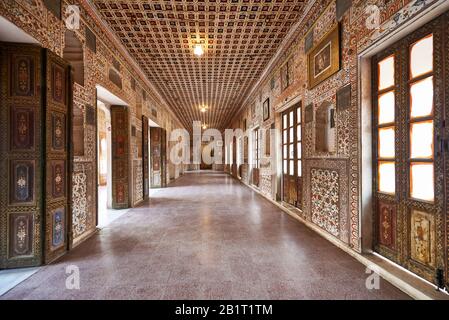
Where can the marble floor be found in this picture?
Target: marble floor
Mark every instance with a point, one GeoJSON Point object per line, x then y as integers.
{"type": "Point", "coordinates": [206, 236]}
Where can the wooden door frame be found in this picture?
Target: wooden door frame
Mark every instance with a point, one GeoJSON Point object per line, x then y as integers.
{"type": "Point", "coordinates": [122, 157]}
{"type": "Point", "coordinates": [297, 178]}
{"type": "Point", "coordinates": [255, 168]}
{"type": "Point", "coordinates": [146, 157]}
{"type": "Point", "coordinates": [402, 200]}
{"type": "Point", "coordinates": [162, 156]}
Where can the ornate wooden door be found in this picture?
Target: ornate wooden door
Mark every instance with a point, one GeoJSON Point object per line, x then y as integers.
{"type": "Point", "coordinates": [245, 149]}
{"type": "Point", "coordinates": [163, 158]}
{"type": "Point", "coordinates": [157, 157]}
{"type": "Point", "coordinates": [409, 121]}
{"type": "Point", "coordinates": [234, 156]}
{"type": "Point", "coordinates": [145, 158]}
{"type": "Point", "coordinates": [120, 156]}
{"type": "Point", "coordinates": [57, 156]}
{"type": "Point", "coordinates": [34, 155]}
{"type": "Point", "coordinates": [292, 155]}
{"type": "Point", "coordinates": [256, 157]}
{"type": "Point", "coordinates": [21, 153]}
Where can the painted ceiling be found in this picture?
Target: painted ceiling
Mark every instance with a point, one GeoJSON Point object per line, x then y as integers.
{"type": "Point", "coordinates": [239, 38]}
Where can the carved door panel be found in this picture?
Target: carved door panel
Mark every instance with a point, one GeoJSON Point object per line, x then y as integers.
{"type": "Point", "coordinates": [234, 157]}
{"type": "Point", "coordinates": [34, 156]}
{"type": "Point", "coordinates": [408, 153]}
{"type": "Point", "coordinates": [21, 152]}
{"type": "Point", "coordinates": [57, 155]}
{"type": "Point", "coordinates": [157, 157]}
{"type": "Point", "coordinates": [256, 175]}
{"type": "Point", "coordinates": [245, 150]}
{"type": "Point", "coordinates": [145, 158]}
{"type": "Point", "coordinates": [120, 156]}
{"type": "Point", "coordinates": [256, 156]}
{"type": "Point", "coordinates": [292, 156]}
{"type": "Point", "coordinates": [164, 158]}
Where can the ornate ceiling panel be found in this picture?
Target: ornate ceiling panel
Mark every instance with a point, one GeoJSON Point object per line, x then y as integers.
{"type": "Point", "coordinates": [239, 38]}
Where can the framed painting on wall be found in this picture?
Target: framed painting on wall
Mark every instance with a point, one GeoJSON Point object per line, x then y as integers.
{"type": "Point", "coordinates": [324, 58]}
{"type": "Point", "coordinates": [266, 109]}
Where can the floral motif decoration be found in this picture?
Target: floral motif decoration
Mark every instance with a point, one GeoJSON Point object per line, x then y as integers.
{"type": "Point", "coordinates": [58, 228]}
{"type": "Point", "coordinates": [79, 205]}
{"type": "Point", "coordinates": [325, 200]}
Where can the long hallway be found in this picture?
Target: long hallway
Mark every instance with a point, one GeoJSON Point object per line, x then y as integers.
{"type": "Point", "coordinates": [205, 237]}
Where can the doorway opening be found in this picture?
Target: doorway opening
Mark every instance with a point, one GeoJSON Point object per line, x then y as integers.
{"type": "Point", "coordinates": [148, 181]}
{"type": "Point", "coordinates": [204, 164]}
{"type": "Point", "coordinates": [158, 167]}
{"type": "Point", "coordinates": [106, 213]}
{"type": "Point", "coordinates": [256, 157]}
{"type": "Point", "coordinates": [239, 157]}
{"type": "Point", "coordinates": [17, 262]}
{"type": "Point", "coordinates": [292, 155]}
{"type": "Point", "coordinates": [104, 162]}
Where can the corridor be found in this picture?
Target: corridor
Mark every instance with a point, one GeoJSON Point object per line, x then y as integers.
{"type": "Point", "coordinates": [206, 236]}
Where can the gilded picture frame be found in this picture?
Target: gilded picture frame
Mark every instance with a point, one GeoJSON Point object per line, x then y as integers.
{"type": "Point", "coordinates": [324, 58]}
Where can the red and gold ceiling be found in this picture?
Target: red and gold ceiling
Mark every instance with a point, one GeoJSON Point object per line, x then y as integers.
{"type": "Point", "coordinates": [239, 38]}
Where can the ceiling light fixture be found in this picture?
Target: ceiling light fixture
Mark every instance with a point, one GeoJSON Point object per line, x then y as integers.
{"type": "Point", "coordinates": [198, 50]}
{"type": "Point", "coordinates": [203, 108]}
{"type": "Point", "coordinates": [204, 126]}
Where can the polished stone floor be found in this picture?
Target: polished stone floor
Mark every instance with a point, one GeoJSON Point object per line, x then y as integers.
{"type": "Point", "coordinates": [205, 237]}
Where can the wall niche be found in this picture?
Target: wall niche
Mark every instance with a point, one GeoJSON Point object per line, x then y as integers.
{"type": "Point", "coordinates": [325, 127]}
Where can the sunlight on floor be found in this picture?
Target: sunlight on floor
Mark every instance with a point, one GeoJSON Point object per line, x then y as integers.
{"type": "Point", "coordinates": [106, 216]}
{"type": "Point", "coordinates": [11, 278]}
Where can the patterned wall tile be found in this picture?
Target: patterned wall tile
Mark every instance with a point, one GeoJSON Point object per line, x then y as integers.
{"type": "Point", "coordinates": [325, 200]}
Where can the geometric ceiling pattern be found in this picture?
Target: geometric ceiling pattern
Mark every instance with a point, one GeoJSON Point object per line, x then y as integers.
{"type": "Point", "coordinates": [239, 38]}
